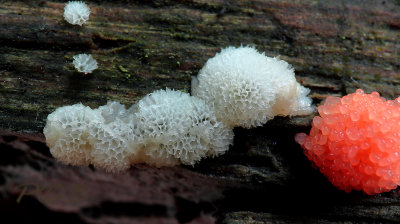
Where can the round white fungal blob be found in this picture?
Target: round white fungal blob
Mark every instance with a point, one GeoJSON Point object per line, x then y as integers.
{"type": "Point", "coordinates": [165, 128]}
{"type": "Point", "coordinates": [85, 63]}
{"type": "Point", "coordinates": [175, 124]}
{"type": "Point", "coordinates": [67, 133]}
{"type": "Point", "coordinates": [78, 135]}
{"type": "Point", "coordinates": [76, 12]}
{"type": "Point", "coordinates": [246, 88]}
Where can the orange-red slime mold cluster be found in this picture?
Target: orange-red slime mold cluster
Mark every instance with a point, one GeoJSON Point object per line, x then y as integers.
{"type": "Point", "coordinates": [355, 142]}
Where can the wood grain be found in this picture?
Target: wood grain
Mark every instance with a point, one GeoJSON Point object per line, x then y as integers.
{"type": "Point", "coordinates": [145, 45]}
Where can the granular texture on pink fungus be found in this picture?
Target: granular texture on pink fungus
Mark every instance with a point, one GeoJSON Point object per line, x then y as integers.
{"type": "Point", "coordinates": [355, 142]}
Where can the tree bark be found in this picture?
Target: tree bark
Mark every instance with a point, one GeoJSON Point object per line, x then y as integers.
{"type": "Point", "coordinates": [145, 45]}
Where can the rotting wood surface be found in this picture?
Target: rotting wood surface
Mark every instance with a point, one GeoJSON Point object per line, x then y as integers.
{"type": "Point", "coordinates": [141, 46]}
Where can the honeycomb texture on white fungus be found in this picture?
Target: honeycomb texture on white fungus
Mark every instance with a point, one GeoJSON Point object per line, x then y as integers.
{"type": "Point", "coordinates": [78, 135]}
{"type": "Point", "coordinates": [68, 136]}
{"type": "Point", "coordinates": [85, 63]}
{"type": "Point", "coordinates": [246, 88]}
{"type": "Point", "coordinates": [165, 128]}
{"type": "Point", "coordinates": [76, 12]}
{"type": "Point", "coordinates": [177, 124]}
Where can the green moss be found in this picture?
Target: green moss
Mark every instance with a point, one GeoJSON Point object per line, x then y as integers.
{"type": "Point", "coordinates": [122, 69]}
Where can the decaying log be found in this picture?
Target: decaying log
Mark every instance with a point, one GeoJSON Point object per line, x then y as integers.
{"type": "Point", "coordinates": [145, 45]}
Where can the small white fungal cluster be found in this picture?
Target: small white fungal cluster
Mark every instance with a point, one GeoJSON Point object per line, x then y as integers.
{"type": "Point", "coordinates": [79, 136]}
{"type": "Point", "coordinates": [177, 125]}
{"type": "Point", "coordinates": [165, 128]}
{"type": "Point", "coordinates": [85, 63]}
{"type": "Point", "coordinates": [237, 87]}
{"type": "Point", "coordinates": [246, 88]}
{"type": "Point", "coordinates": [76, 12]}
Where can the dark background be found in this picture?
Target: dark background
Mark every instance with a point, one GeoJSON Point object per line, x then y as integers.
{"type": "Point", "coordinates": [141, 46]}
